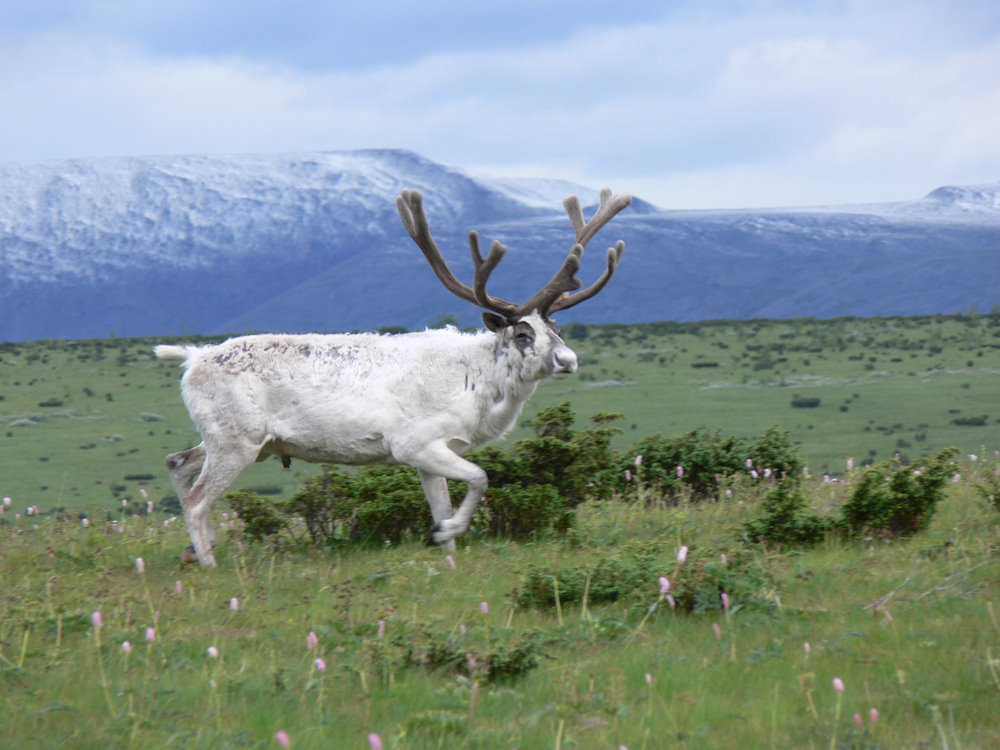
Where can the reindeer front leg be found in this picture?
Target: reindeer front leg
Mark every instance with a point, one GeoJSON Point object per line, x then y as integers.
{"type": "Point", "coordinates": [438, 497]}
{"type": "Point", "coordinates": [437, 463]}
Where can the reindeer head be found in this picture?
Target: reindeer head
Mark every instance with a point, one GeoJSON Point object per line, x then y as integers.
{"type": "Point", "coordinates": [529, 326]}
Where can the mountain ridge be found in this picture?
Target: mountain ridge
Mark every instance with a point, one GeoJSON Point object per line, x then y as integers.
{"type": "Point", "coordinates": [300, 242]}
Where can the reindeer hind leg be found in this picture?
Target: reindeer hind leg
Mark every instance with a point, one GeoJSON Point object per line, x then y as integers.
{"type": "Point", "coordinates": [220, 467]}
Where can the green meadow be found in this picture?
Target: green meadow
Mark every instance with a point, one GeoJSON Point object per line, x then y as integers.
{"type": "Point", "coordinates": [85, 424]}
{"type": "Point", "coordinates": [561, 640]}
{"type": "Point", "coordinates": [424, 654]}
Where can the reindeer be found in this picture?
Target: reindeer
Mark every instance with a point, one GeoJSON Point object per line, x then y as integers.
{"type": "Point", "coordinates": [421, 399]}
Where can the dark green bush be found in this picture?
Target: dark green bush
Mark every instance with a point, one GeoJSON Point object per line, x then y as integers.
{"type": "Point", "coordinates": [632, 578]}
{"type": "Point", "coordinates": [387, 504]}
{"type": "Point", "coordinates": [786, 519]}
{"type": "Point", "coordinates": [895, 500]}
{"type": "Point", "coordinates": [261, 519]}
{"type": "Point", "coordinates": [542, 479]}
{"type": "Point", "coordinates": [706, 458]}
{"type": "Point", "coordinates": [988, 486]}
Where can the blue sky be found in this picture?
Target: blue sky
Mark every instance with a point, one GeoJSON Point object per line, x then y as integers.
{"type": "Point", "coordinates": [688, 104]}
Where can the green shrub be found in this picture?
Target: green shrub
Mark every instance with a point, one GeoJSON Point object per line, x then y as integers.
{"type": "Point", "coordinates": [632, 579]}
{"type": "Point", "coordinates": [895, 500]}
{"type": "Point", "coordinates": [786, 519]}
{"type": "Point", "coordinates": [988, 487]}
{"type": "Point", "coordinates": [387, 505]}
{"type": "Point", "coordinates": [261, 519]}
{"type": "Point", "coordinates": [706, 458]}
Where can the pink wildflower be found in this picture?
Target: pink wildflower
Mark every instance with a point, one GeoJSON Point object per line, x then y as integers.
{"type": "Point", "coordinates": [838, 684]}
{"type": "Point", "coordinates": [664, 586]}
{"type": "Point", "coordinates": [857, 720]}
{"type": "Point", "coordinates": [374, 741]}
{"type": "Point", "coordinates": [754, 474]}
{"type": "Point", "coordinates": [680, 472]}
{"type": "Point", "coordinates": [722, 558]}
{"type": "Point", "coordinates": [234, 604]}
{"type": "Point", "coordinates": [178, 586]}
{"type": "Point", "coordinates": [95, 619]}
{"type": "Point", "coordinates": [381, 628]}
{"type": "Point", "coordinates": [150, 634]}
{"type": "Point", "coordinates": [649, 678]}
{"type": "Point", "coordinates": [850, 463]}
{"type": "Point", "coordinates": [670, 601]}
{"type": "Point", "coordinates": [873, 715]}
{"type": "Point", "coordinates": [888, 614]}
{"type": "Point", "coordinates": [484, 608]}
{"type": "Point", "coordinates": [682, 554]}
{"type": "Point", "coordinates": [807, 648]}
{"type": "Point", "coordinates": [320, 664]}
{"type": "Point", "coordinates": [213, 652]}
{"type": "Point", "coordinates": [282, 738]}
{"type": "Point", "coordinates": [126, 647]}
{"type": "Point", "coordinates": [451, 562]}
{"type": "Point", "coordinates": [140, 566]}
{"type": "Point", "coordinates": [725, 601]}
{"type": "Point", "coordinates": [628, 475]}
{"type": "Point", "coordinates": [638, 461]}
{"type": "Point", "coordinates": [749, 463]}
{"type": "Point", "coordinates": [312, 640]}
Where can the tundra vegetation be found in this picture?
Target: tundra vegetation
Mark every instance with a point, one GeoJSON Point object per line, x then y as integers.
{"type": "Point", "coordinates": [600, 599]}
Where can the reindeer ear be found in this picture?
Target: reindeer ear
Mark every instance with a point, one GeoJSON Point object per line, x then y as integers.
{"type": "Point", "coordinates": [495, 322]}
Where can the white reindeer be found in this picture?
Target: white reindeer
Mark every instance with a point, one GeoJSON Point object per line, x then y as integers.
{"type": "Point", "coordinates": [421, 399]}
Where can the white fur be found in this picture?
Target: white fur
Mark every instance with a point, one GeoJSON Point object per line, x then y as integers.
{"type": "Point", "coordinates": [421, 399]}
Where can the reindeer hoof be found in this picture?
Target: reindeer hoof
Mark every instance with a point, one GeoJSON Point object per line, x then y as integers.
{"type": "Point", "coordinates": [189, 555]}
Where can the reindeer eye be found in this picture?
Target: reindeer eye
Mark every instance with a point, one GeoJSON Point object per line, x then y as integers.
{"type": "Point", "coordinates": [524, 339]}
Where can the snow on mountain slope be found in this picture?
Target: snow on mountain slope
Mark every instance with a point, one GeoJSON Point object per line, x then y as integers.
{"type": "Point", "coordinates": [299, 242]}
{"type": "Point", "coordinates": [87, 217]}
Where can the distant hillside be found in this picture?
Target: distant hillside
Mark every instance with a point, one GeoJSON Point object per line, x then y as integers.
{"type": "Point", "coordinates": [312, 242]}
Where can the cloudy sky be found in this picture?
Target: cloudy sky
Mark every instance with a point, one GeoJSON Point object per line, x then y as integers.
{"type": "Point", "coordinates": [702, 104]}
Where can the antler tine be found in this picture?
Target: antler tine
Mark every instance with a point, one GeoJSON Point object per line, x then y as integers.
{"type": "Point", "coordinates": [562, 282]}
{"type": "Point", "coordinates": [566, 300]}
{"type": "Point", "coordinates": [609, 207]}
{"type": "Point", "coordinates": [411, 212]}
{"type": "Point", "coordinates": [555, 295]}
{"type": "Point", "coordinates": [483, 268]}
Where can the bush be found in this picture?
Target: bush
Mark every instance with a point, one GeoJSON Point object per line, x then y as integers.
{"type": "Point", "coordinates": [631, 578]}
{"type": "Point", "coordinates": [895, 500]}
{"type": "Point", "coordinates": [706, 458]}
{"type": "Point", "coordinates": [786, 519]}
{"type": "Point", "coordinates": [988, 487]}
{"type": "Point", "coordinates": [260, 517]}
{"type": "Point", "coordinates": [805, 402]}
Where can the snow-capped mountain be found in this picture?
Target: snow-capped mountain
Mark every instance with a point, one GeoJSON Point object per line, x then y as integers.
{"type": "Point", "coordinates": [213, 244]}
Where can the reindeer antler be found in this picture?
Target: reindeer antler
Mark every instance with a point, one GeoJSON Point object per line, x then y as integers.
{"type": "Point", "coordinates": [555, 295]}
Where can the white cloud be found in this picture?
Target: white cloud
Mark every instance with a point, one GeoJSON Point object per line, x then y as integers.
{"type": "Point", "coordinates": [698, 111]}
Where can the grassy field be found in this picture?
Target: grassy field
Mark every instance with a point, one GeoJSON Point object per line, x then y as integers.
{"type": "Point", "coordinates": [331, 647]}
{"type": "Point", "coordinates": [86, 424]}
{"type": "Point", "coordinates": [428, 654]}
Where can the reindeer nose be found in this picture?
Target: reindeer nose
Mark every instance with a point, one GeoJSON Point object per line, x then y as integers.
{"type": "Point", "coordinates": [565, 361]}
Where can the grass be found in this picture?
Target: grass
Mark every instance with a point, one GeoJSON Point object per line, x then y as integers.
{"type": "Point", "coordinates": [909, 627]}
{"type": "Point", "coordinates": [112, 412]}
